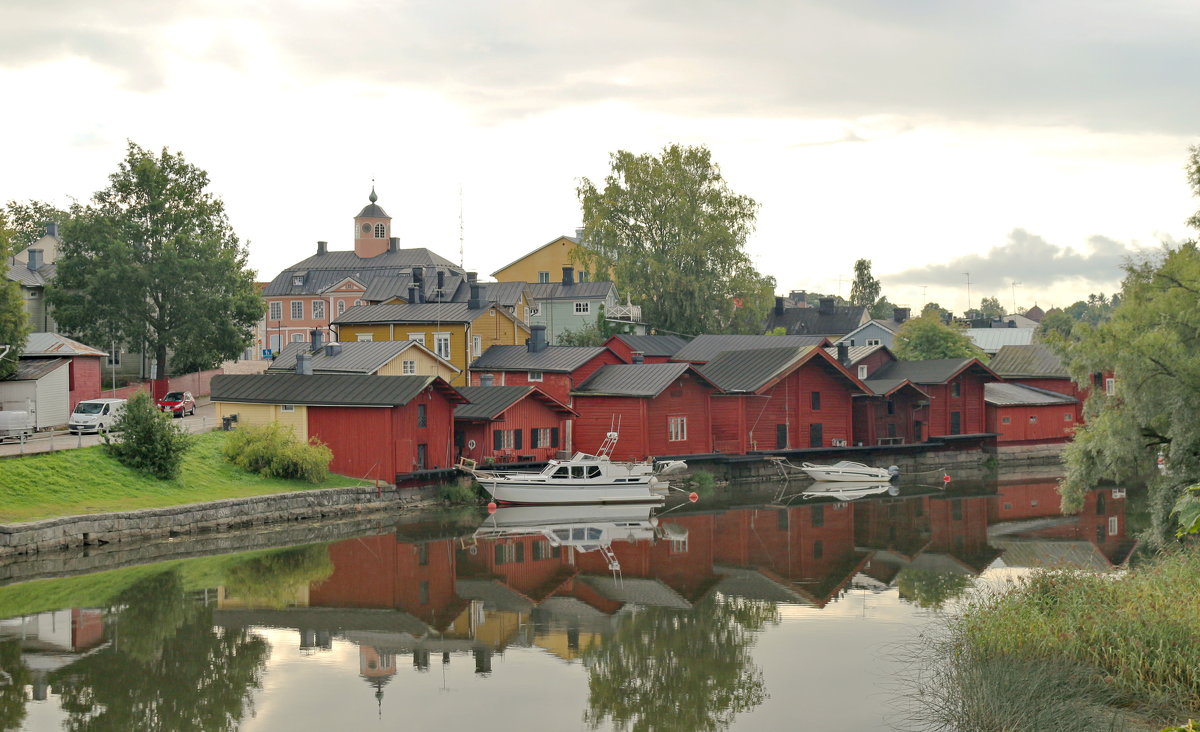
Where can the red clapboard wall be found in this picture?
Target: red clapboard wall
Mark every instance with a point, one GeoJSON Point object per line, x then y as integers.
{"type": "Point", "coordinates": [85, 377]}
{"type": "Point", "coordinates": [969, 404]}
{"type": "Point", "coordinates": [642, 422]}
{"type": "Point", "coordinates": [526, 415]}
{"type": "Point", "coordinates": [1031, 424]}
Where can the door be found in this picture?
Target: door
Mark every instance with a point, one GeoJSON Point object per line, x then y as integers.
{"type": "Point", "coordinates": [421, 454]}
{"type": "Point", "coordinates": [781, 437]}
{"type": "Point", "coordinates": [917, 431]}
{"type": "Point", "coordinates": [956, 423]}
{"type": "Point", "coordinates": [816, 435]}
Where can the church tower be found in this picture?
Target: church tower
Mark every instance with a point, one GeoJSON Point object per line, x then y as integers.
{"type": "Point", "coordinates": [372, 229]}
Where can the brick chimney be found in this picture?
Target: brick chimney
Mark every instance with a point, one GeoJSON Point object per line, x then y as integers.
{"type": "Point", "coordinates": [826, 305]}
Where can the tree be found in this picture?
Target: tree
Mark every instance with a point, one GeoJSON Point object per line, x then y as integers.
{"type": "Point", "coordinates": [673, 234]}
{"type": "Point", "coordinates": [937, 312]}
{"type": "Point", "coordinates": [1055, 325]}
{"type": "Point", "coordinates": [594, 334]}
{"type": "Point", "coordinates": [148, 440]}
{"type": "Point", "coordinates": [154, 261]}
{"type": "Point", "coordinates": [27, 221]}
{"type": "Point", "coordinates": [883, 309]}
{"type": "Point", "coordinates": [14, 321]}
{"type": "Point", "coordinates": [924, 339]}
{"type": "Point", "coordinates": [865, 290]}
{"type": "Point", "coordinates": [990, 307]}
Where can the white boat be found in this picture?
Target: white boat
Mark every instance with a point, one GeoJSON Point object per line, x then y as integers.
{"type": "Point", "coordinates": [584, 478]}
{"type": "Point", "coordinates": [846, 471]}
{"type": "Point", "coordinates": [847, 491]}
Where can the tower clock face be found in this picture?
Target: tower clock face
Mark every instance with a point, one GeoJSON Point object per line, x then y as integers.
{"type": "Point", "coordinates": [366, 228]}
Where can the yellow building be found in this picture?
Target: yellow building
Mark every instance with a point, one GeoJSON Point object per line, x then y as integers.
{"type": "Point", "coordinates": [288, 415]}
{"type": "Point", "coordinates": [455, 331]}
{"type": "Point", "coordinates": [544, 264]}
{"type": "Point", "coordinates": [383, 358]}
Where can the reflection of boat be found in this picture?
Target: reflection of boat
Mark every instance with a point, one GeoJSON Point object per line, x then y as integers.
{"type": "Point", "coordinates": [847, 491]}
{"type": "Point", "coordinates": [846, 471]}
{"type": "Point", "coordinates": [582, 479]}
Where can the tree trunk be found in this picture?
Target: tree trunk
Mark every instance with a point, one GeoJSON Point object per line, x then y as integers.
{"type": "Point", "coordinates": [160, 385]}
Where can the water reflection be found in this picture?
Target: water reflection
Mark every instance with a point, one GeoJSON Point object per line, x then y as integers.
{"type": "Point", "coordinates": [661, 612]}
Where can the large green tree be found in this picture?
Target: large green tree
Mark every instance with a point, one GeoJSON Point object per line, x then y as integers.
{"type": "Point", "coordinates": [865, 290]}
{"type": "Point", "coordinates": [27, 221]}
{"type": "Point", "coordinates": [673, 234]}
{"type": "Point", "coordinates": [990, 307]}
{"type": "Point", "coordinates": [926, 338]}
{"type": "Point", "coordinates": [14, 322]}
{"type": "Point", "coordinates": [153, 260]}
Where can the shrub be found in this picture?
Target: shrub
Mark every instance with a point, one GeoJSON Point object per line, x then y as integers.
{"type": "Point", "coordinates": [703, 481]}
{"type": "Point", "coordinates": [147, 440]}
{"type": "Point", "coordinates": [273, 451]}
{"type": "Point", "coordinates": [463, 490]}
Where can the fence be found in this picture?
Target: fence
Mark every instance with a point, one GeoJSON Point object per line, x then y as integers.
{"type": "Point", "coordinates": [197, 383]}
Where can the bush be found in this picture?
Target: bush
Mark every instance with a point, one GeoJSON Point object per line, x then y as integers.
{"type": "Point", "coordinates": [703, 481]}
{"type": "Point", "coordinates": [147, 440]}
{"type": "Point", "coordinates": [273, 451]}
{"type": "Point", "coordinates": [463, 490]}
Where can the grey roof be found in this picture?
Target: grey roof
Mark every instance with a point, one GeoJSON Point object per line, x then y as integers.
{"type": "Point", "coordinates": [322, 271]}
{"type": "Point", "coordinates": [557, 359]}
{"type": "Point", "coordinates": [632, 379]}
{"type": "Point", "coordinates": [32, 369]}
{"type": "Point", "coordinates": [855, 353]}
{"type": "Point", "coordinates": [934, 371]}
{"type": "Point", "coordinates": [489, 402]}
{"type": "Point", "coordinates": [357, 390]}
{"type": "Point", "coordinates": [654, 345]}
{"type": "Point", "coordinates": [637, 591]}
{"type": "Point", "coordinates": [372, 211]}
{"type": "Point", "coordinates": [811, 321]}
{"type": "Point", "coordinates": [356, 357]}
{"type": "Point", "coordinates": [445, 312]}
{"type": "Point", "coordinates": [494, 595]}
{"type": "Point", "coordinates": [1010, 395]}
{"type": "Point", "coordinates": [598, 290]}
{"type": "Point", "coordinates": [53, 344]}
{"type": "Point", "coordinates": [748, 371]}
{"type": "Point", "coordinates": [706, 347]}
{"type": "Point", "coordinates": [20, 273]}
{"type": "Point", "coordinates": [883, 387]}
{"type": "Point", "coordinates": [507, 294]}
{"type": "Point", "coordinates": [1032, 361]}
{"type": "Point", "coordinates": [991, 340]}
{"type": "Point", "coordinates": [1051, 553]}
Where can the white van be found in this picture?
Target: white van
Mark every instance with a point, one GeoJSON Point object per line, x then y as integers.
{"type": "Point", "coordinates": [95, 415]}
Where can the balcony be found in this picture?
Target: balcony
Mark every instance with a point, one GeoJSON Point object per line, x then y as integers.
{"type": "Point", "coordinates": [628, 312]}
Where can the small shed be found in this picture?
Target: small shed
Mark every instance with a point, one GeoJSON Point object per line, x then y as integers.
{"type": "Point", "coordinates": [1023, 414]}
{"type": "Point", "coordinates": [505, 423]}
{"type": "Point", "coordinates": [40, 386]}
{"type": "Point", "coordinates": [84, 374]}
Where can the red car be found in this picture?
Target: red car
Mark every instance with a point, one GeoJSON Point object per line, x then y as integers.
{"type": "Point", "coordinates": [179, 403]}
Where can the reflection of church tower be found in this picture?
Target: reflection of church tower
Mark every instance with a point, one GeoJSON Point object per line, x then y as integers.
{"type": "Point", "coordinates": [372, 229]}
{"type": "Point", "coordinates": [376, 668]}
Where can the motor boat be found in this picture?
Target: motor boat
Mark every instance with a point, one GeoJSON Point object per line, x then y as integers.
{"type": "Point", "coordinates": [585, 478]}
{"type": "Point", "coordinates": [847, 491]}
{"type": "Point", "coordinates": [849, 471]}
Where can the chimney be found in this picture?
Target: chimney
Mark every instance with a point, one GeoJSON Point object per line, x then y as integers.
{"type": "Point", "coordinates": [1012, 324]}
{"type": "Point", "coordinates": [35, 260]}
{"type": "Point", "coordinates": [900, 314]}
{"type": "Point", "coordinates": [487, 379]}
{"type": "Point", "coordinates": [799, 297]}
{"type": "Point", "coordinates": [843, 354]}
{"type": "Point", "coordinates": [418, 274]}
{"type": "Point", "coordinates": [317, 335]}
{"type": "Point", "coordinates": [537, 339]}
{"type": "Point", "coordinates": [333, 349]}
{"type": "Point", "coordinates": [322, 248]}
{"type": "Point", "coordinates": [579, 234]}
{"type": "Point", "coordinates": [568, 275]}
{"type": "Point", "coordinates": [412, 294]}
{"type": "Point", "coordinates": [472, 277]}
{"type": "Point", "coordinates": [476, 300]}
{"type": "Point", "coordinates": [638, 357]}
{"type": "Point", "coordinates": [778, 305]}
{"type": "Point", "coordinates": [394, 244]}
{"type": "Point", "coordinates": [826, 305]}
{"type": "Point", "coordinates": [304, 363]}
{"type": "Point", "coordinates": [52, 229]}
{"type": "Point", "coordinates": [441, 279]}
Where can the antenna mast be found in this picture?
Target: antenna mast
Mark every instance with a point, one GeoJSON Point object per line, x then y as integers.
{"type": "Point", "coordinates": [461, 259]}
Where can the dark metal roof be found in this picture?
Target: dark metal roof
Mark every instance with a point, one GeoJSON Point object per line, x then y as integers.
{"type": "Point", "coordinates": [322, 271]}
{"type": "Point", "coordinates": [558, 359]}
{"type": "Point", "coordinates": [32, 369]}
{"type": "Point", "coordinates": [356, 357]}
{"type": "Point", "coordinates": [372, 211]}
{"type": "Point", "coordinates": [507, 294]}
{"type": "Point", "coordinates": [886, 387]}
{"type": "Point", "coordinates": [1012, 395]}
{"type": "Point", "coordinates": [1031, 361]}
{"type": "Point", "coordinates": [353, 390]}
{"type": "Point", "coordinates": [654, 345]}
{"type": "Point", "coordinates": [811, 321]}
{"type": "Point", "coordinates": [704, 348]}
{"type": "Point", "coordinates": [489, 402]}
{"type": "Point", "coordinates": [748, 371]}
{"type": "Point", "coordinates": [934, 371]}
{"type": "Point", "coordinates": [855, 353]}
{"type": "Point", "coordinates": [22, 275]}
{"type": "Point", "coordinates": [633, 379]}
{"type": "Point", "coordinates": [443, 312]}
{"type": "Point", "coordinates": [576, 291]}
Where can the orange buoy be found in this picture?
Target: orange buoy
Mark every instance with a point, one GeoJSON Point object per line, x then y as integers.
{"type": "Point", "coordinates": [946, 478]}
{"type": "Point", "coordinates": [491, 507]}
{"type": "Point", "coordinates": [693, 496]}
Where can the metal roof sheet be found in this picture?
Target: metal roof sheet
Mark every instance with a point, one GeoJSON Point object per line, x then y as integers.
{"type": "Point", "coordinates": [811, 321]}
{"type": "Point", "coordinates": [633, 379]}
{"type": "Point", "coordinates": [706, 347]}
{"type": "Point", "coordinates": [356, 390]}
{"type": "Point", "coordinates": [934, 371]}
{"type": "Point", "coordinates": [597, 290]}
{"type": "Point", "coordinates": [53, 344]}
{"type": "Point", "coordinates": [991, 340]}
{"type": "Point", "coordinates": [654, 345]}
{"type": "Point", "coordinates": [356, 357]}
{"type": "Point", "coordinates": [747, 371]}
{"type": "Point", "coordinates": [438, 312]}
{"type": "Point", "coordinates": [32, 369]}
{"type": "Point", "coordinates": [322, 271]}
{"type": "Point", "coordinates": [488, 402]}
{"type": "Point", "coordinates": [20, 273]}
{"type": "Point", "coordinates": [556, 359]}
{"type": "Point", "coordinates": [884, 387]}
{"type": "Point", "coordinates": [1003, 394]}
{"type": "Point", "coordinates": [1031, 361]}
{"type": "Point", "coordinates": [855, 353]}
{"type": "Point", "coordinates": [372, 211]}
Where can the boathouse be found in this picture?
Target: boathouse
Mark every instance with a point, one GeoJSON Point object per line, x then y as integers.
{"type": "Point", "coordinates": [1028, 415]}
{"type": "Point", "coordinates": [509, 423]}
{"type": "Point", "coordinates": [955, 389]}
{"type": "Point", "coordinates": [555, 370]}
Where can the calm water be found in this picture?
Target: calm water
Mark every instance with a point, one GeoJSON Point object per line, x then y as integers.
{"type": "Point", "coordinates": [783, 612]}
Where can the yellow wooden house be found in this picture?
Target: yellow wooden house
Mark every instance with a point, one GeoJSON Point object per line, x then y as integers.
{"type": "Point", "coordinates": [544, 264]}
{"type": "Point", "coordinates": [384, 358]}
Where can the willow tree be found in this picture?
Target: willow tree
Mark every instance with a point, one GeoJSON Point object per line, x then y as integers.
{"type": "Point", "coordinates": [672, 234]}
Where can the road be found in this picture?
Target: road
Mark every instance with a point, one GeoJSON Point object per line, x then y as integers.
{"type": "Point", "coordinates": [204, 420]}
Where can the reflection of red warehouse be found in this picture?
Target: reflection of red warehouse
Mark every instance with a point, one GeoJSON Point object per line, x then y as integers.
{"type": "Point", "coordinates": [509, 422]}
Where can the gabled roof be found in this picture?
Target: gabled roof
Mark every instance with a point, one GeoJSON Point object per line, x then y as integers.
{"type": "Point", "coordinates": [598, 290]}
{"type": "Point", "coordinates": [652, 345]}
{"type": "Point", "coordinates": [747, 371]}
{"type": "Point", "coordinates": [1035, 360]}
{"type": "Point", "coordinates": [489, 402]}
{"type": "Point", "coordinates": [632, 379]}
{"type": "Point", "coordinates": [22, 275]}
{"type": "Point", "coordinates": [812, 321]}
{"type": "Point", "coordinates": [356, 357]}
{"type": "Point", "coordinates": [555, 240]}
{"type": "Point", "coordinates": [32, 369]}
{"type": "Point", "coordinates": [349, 390]}
{"type": "Point", "coordinates": [991, 340]}
{"type": "Point", "coordinates": [891, 326]}
{"type": "Point", "coordinates": [436, 312]}
{"type": "Point", "coordinates": [555, 359]}
{"type": "Point", "coordinates": [888, 387]}
{"type": "Point", "coordinates": [857, 353]}
{"type": "Point", "coordinates": [53, 344]}
{"type": "Point", "coordinates": [1002, 394]}
{"type": "Point", "coordinates": [322, 271]}
{"type": "Point", "coordinates": [934, 371]}
{"type": "Point", "coordinates": [705, 348]}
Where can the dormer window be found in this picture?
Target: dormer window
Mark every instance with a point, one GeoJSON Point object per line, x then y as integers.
{"type": "Point", "coordinates": [298, 280]}
{"type": "Point", "coordinates": [380, 231]}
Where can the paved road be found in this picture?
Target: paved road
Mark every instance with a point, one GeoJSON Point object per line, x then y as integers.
{"type": "Point", "coordinates": [204, 420]}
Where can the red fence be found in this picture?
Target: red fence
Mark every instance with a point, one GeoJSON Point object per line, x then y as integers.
{"type": "Point", "coordinates": [197, 383]}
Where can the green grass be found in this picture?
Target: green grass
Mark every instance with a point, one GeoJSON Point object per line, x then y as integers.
{"type": "Point", "coordinates": [88, 480]}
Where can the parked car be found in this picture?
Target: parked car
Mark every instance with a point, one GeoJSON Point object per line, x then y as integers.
{"type": "Point", "coordinates": [178, 403]}
{"type": "Point", "coordinates": [95, 415]}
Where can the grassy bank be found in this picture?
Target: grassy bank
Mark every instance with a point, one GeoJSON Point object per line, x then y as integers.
{"type": "Point", "coordinates": [1079, 649]}
{"type": "Point", "coordinates": [88, 480]}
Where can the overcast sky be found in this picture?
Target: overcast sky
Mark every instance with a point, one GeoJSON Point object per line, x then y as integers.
{"type": "Point", "coordinates": [1031, 141]}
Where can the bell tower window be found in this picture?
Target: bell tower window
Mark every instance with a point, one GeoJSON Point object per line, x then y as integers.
{"type": "Point", "coordinates": [380, 231]}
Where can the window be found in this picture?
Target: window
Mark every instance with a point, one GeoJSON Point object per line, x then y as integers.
{"type": "Point", "coordinates": [423, 555]}
{"type": "Point", "coordinates": [873, 342]}
{"type": "Point", "coordinates": [298, 280]}
{"type": "Point", "coordinates": [862, 371]}
{"type": "Point", "coordinates": [287, 407]}
{"type": "Point", "coordinates": [1068, 417]}
{"type": "Point", "coordinates": [543, 277]}
{"type": "Point", "coordinates": [955, 389]}
{"type": "Point", "coordinates": [297, 309]}
{"type": "Point", "coordinates": [1033, 419]}
{"type": "Point", "coordinates": [1005, 420]}
{"type": "Point", "coordinates": [679, 546]}
{"type": "Point", "coordinates": [114, 358]}
{"type": "Point", "coordinates": [409, 368]}
{"type": "Point", "coordinates": [583, 308]}
{"type": "Point", "coordinates": [1110, 387]}
{"type": "Point", "coordinates": [318, 309]}
{"type": "Point", "coordinates": [418, 337]}
{"type": "Point", "coordinates": [422, 415]}
{"type": "Point", "coordinates": [503, 440]}
{"type": "Point", "coordinates": [535, 309]}
{"type": "Point", "coordinates": [956, 509]}
{"type": "Point", "coordinates": [380, 231]}
{"type": "Point", "coordinates": [297, 338]}
{"type": "Point", "coordinates": [424, 599]}
{"type": "Point", "coordinates": [34, 294]}
{"type": "Point", "coordinates": [276, 311]}
{"type": "Point", "coordinates": [583, 275]}
{"type": "Point", "coordinates": [956, 423]}
{"type": "Point", "coordinates": [476, 345]}
{"type": "Point", "coordinates": [677, 429]}
{"type": "Point", "coordinates": [1112, 526]}
{"type": "Point", "coordinates": [534, 376]}
{"type": "Point", "coordinates": [422, 452]}
{"type": "Point", "coordinates": [815, 401]}
{"type": "Point", "coordinates": [276, 342]}
{"type": "Point", "coordinates": [365, 337]}
{"type": "Point", "coordinates": [357, 303]}
{"type": "Point", "coordinates": [441, 344]}
{"type": "Point", "coordinates": [891, 406]}
{"type": "Point", "coordinates": [547, 437]}
{"type": "Point", "coordinates": [341, 306]}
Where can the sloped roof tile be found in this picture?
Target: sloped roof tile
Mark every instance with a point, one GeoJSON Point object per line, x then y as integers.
{"type": "Point", "coordinates": [704, 348]}
{"type": "Point", "coordinates": [633, 380]}
{"type": "Point", "coordinates": [357, 390]}
{"type": "Point", "coordinates": [1031, 361]}
{"type": "Point", "coordinates": [555, 359]}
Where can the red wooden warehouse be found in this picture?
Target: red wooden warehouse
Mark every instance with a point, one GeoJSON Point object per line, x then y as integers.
{"type": "Point", "coordinates": [658, 409]}
{"type": "Point", "coordinates": [653, 348]}
{"type": "Point", "coordinates": [955, 389]}
{"type": "Point", "coordinates": [1037, 366]}
{"type": "Point", "coordinates": [556, 370]}
{"type": "Point", "coordinates": [1027, 415]}
{"type": "Point", "coordinates": [84, 374]}
{"type": "Point", "coordinates": [505, 423]}
{"type": "Point", "coordinates": [378, 427]}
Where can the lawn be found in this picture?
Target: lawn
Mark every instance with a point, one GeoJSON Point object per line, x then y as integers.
{"type": "Point", "coordinates": [87, 480]}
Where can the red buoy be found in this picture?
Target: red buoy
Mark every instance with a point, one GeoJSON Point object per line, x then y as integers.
{"type": "Point", "coordinates": [693, 496]}
{"type": "Point", "coordinates": [491, 507]}
{"type": "Point", "coordinates": [946, 478]}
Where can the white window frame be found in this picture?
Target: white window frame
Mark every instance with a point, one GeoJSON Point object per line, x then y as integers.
{"type": "Point", "coordinates": [297, 338]}
{"type": "Point", "coordinates": [341, 307]}
{"type": "Point", "coordinates": [543, 436]}
{"type": "Point", "coordinates": [297, 310]}
{"type": "Point", "coordinates": [34, 294]}
{"type": "Point", "coordinates": [583, 308]}
{"type": "Point", "coordinates": [1033, 419]}
{"type": "Point", "coordinates": [583, 275]}
{"type": "Point", "coordinates": [506, 440]}
{"type": "Point", "coordinates": [417, 337]}
{"type": "Point", "coordinates": [1110, 386]}
{"type": "Point", "coordinates": [364, 337]}
{"type": "Point", "coordinates": [318, 309]}
{"type": "Point", "coordinates": [862, 371]}
{"type": "Point", "coordinates": [543, 278]}
{"type": "Point", "coordinates": [441, 345]}
{"type": "Point", "coordinates": [408, 368]}
{"type": "Point", "coordinates": [297, 280]}
{"type": "Point", "coordinates": [476, 345]}
{"type": "Point", "coordinates": [676, 429]}
{"type": "Point", "coordinates": [1006, 420]}
{"type": "Point", "coordinates": [275, 310]}
{"type": "Point", "coordinates": [534, 309]}
{"type": "Point", "coordinates": [287, 407]}
{"type": "Point", "coordinates": [874, 342]}
{"type": "Point", "coordinates": [1113, 525]}
{"type": "Point", "coordinates": [380, 231]}
{"type": "Point", "coordinates": [535, 376]}
{"type": "Point", "coordinates": [1068, 417]}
